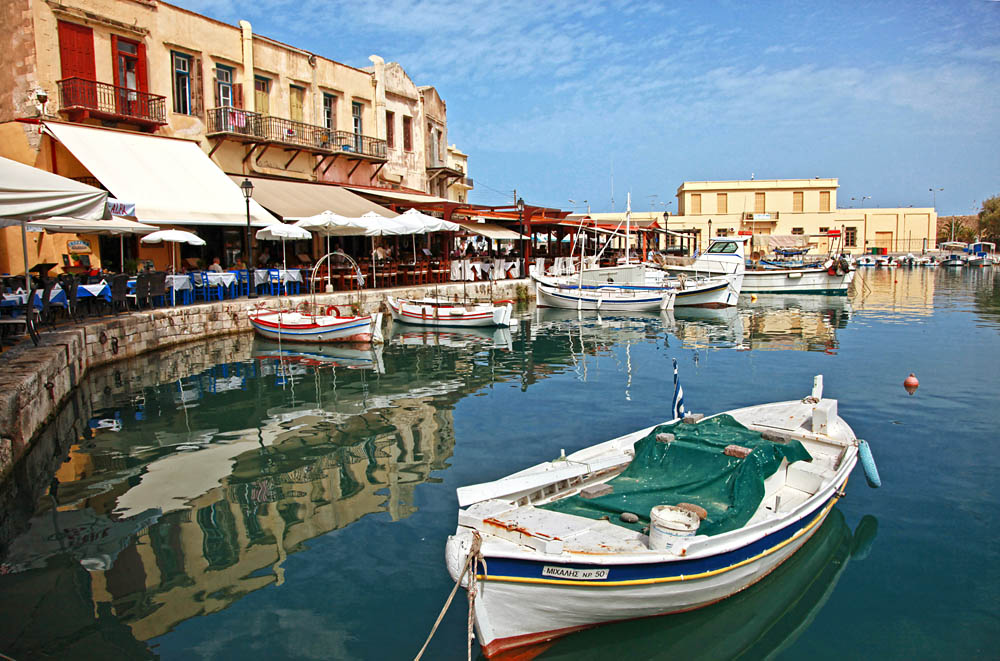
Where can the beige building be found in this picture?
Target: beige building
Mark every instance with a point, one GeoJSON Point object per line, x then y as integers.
{"type": "Point", "coordinates": [255, 106]}
{"type": "Point", "coordinates": [805, 207]}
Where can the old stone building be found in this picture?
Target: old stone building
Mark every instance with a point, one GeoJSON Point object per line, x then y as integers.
{"type": "Point", "coordinates": [255, 106]}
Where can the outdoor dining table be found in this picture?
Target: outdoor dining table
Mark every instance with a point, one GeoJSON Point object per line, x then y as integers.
{"type": "Point", "coordinates": [225, 278]}
{"type": "Point", "coordinates": [58, 297]}
{"type": "Point", "coordinates": [260, 276]}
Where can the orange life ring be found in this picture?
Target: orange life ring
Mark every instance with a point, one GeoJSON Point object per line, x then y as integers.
{"type": "Point", "coordinates": [336, 312]}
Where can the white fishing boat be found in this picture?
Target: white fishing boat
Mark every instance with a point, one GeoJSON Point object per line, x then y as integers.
{"type": "Point", "coordinates": [867, 261]}
{"type": "Point", "coordinates": [981, 254]}
{"type": "Point", "coordinates": [624, 530]}
{"type": "Point", "coordinates": [316, 323]}
{"type": "Point", "coordinates": [954, 258]}
{"type": "Point", "coordinates": [724, 254]}
{"type": "Point", "coordinates": [571, 294]}
{"type": "Point", "coordinates": [444, 312]}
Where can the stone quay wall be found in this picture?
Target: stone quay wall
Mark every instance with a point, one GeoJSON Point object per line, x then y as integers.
{"type": "Point", "coordinates": [36, 380]}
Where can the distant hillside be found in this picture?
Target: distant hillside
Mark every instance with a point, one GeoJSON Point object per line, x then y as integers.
{"type": "Point", "coordinates": [965, 227]}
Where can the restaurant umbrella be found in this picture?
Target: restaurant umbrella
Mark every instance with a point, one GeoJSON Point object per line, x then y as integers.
{"type": "Point", "coordinates": [116, 226]}
{"type": "Point", "coordinates": [173, 236]}
{"type": "Point", "coordinates": [382, 226]}
{"type": "Point", "coordinates": [281, 232]}
{"type": "Point", "coordinates": [430, 224]}
{"type": "Point", "coordinates": [328, 223]}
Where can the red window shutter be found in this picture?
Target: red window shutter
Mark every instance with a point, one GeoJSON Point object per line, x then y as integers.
{"type": "Point", "coordinates": [140, 68]}
{"type": "Point", "coordinates": [237, 96]}
{"type": "Point", "coordinates": [215, 88]}
{"type": "Point", "coordinates": [114, 60]}
{"type": "Point", "coordinates": [76, 51]}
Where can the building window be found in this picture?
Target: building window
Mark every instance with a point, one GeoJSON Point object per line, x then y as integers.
{"type": "Point", "coordinates": [758, 203]}
{"type": "Point", "coordinates": [182, 83]}
{"type": "Point", "coordinates": [797, 201]}
{"type": "Point", "coordinates": [356, 117]}
{"type": "Point", "coordinates": [722, 203]}
{"type": "Point", "coordinates": [695, 203]}
{"type": "Point", "coordinates": [824, 200]}
{"type": "Point", "coordinates": [407, 134]}
{"type": "Point", "coordinates": [390, 129]}
{"type": "Point", "coordinates": [798, 230]}
{"type": "Point", "coordinates": [722, 231]}
{"type": "Point", "coordinates": [296, 101]}
{"type": "Point", "coordinates": [824, 230]}
{"type": "Point", "coordinates": [851, 237]}
{"type": "Point", "coordinates": [262, 95]}
{"type": "Point", "coordinates": [223, 86]}
{"type": "Point", "coordinates": [329, 111]}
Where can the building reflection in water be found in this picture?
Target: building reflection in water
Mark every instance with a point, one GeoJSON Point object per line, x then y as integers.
{"type": "Point", "coordinates": [205, 466]}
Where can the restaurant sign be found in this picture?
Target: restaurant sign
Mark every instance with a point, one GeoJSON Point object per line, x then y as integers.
{"type": "Point", "coordinates": [119, 208]}
{"type": "Point", "coordinates": [78, 246]}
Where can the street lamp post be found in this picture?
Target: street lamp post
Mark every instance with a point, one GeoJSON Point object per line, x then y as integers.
{"type": "Point", "coordinates": [709, 233]}
{"type": "Point", "coordinates": [247, 188]}
{"type": "Point", "coordinates": [934, 192]}
{"type": "Point", "coordinates": [520, 224]}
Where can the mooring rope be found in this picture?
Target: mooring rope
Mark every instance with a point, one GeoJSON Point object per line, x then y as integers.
{"type": "Point", "coordinates": [473, 559]}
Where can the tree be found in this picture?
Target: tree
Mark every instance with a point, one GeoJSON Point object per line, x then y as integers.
{"type": "Point", "coordinates": [989, 218]}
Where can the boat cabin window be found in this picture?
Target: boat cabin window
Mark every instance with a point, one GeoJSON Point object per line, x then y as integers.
{"type": "Point", "coordinates": [723, 247]}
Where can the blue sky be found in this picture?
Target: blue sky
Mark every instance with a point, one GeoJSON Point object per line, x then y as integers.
{"type": "Point", "coordinates": [552, 97]}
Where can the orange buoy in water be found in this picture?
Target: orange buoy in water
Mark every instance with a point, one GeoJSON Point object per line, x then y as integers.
{"type": "Point", "coordinates": [911, 384]}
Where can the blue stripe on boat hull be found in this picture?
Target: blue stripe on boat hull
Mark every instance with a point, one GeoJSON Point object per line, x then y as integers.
{"type": "Point", "coordinates": [501, 568]}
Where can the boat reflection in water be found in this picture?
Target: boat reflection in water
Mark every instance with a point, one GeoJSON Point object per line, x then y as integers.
{"type": "Point", "coordinates": [756, 623]}
{"type": "Point", "coordinates": [498, 337]}
{"type": "Point", "coordinates": [363, 355]}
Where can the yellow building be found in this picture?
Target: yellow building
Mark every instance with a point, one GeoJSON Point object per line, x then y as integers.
{"type": "Point", "coordinates": [254, 105]}
{"type": "Point", "coordinates": [805, 207]}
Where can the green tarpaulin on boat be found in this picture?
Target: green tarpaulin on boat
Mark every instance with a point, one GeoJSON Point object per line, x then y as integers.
{"type": "Point", "coordinates": [692, 469]}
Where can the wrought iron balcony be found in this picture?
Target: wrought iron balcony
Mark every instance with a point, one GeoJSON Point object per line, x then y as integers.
{"type": "Point", "coordinates": [80, 98]}
{"type": "Point", "coordinates": [269, 129]}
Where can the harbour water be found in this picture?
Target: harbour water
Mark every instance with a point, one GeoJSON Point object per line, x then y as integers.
{"type": "Point", "coordinates": [241, 499]}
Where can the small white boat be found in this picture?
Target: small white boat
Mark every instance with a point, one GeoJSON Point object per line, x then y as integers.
{"type": "Point", "coordinates": [726, 254]}
{"type": "Point", "coordinates": [559, 293]}
{"type": "Point", "coordinates": [444, 312]}
{"type": "Point", "coordinates": [328, 326]}
{"type": "Point", "coordinates": [867, 261]}
{"type": "Point", "coordinates": [954, 258]}
{"type": "Point", "coordinates": [622, 530]}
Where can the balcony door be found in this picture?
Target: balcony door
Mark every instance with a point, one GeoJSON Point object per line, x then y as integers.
{"type": "Point", "coordinates": [130, 77]}
{"type": "Point", "coordinates": [76, 57]}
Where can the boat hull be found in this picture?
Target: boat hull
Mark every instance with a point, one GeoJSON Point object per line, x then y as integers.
{"type": "Point", "coordinates": [514, 611]}
{"type": "Point", "coordinates": [296, 327]}
{"type": "Point", "coordinates": [637, 298]}
{"type": "Point", "coordinates": [798, 281]}
{"type": "Point", "coordinates": [438, 314]}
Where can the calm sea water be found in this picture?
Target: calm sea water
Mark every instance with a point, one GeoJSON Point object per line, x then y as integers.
{"type": "Point", "coordinates": [239, 500]}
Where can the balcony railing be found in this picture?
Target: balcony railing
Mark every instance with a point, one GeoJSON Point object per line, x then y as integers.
{"type": "Point", "coordinates": [111, 102]}
{"type": "Point", "coordinates": [287, 132]}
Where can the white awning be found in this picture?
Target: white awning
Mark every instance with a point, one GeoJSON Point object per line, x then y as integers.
{"type": "Point", "coordinates": [491, 231]}
{"type": "Point", "coordinates": [398, 195]}
{"type": "Point", "coordinates": [117, 225]}
{"type": "Point", "coordinates": [27, 192]}
{"type": "Point", "coordinates": [295, 200]}
{"type": "Point", "coordinates": [171, 181]}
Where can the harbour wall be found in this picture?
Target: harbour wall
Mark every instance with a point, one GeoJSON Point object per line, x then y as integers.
{"type": "Point", "coordinates": [36, 380]}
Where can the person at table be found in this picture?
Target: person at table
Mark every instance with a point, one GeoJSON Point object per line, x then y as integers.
{"type": "Point", "coordinates": [216, 266]}
{"type": "Point", "coordinates": [264, 259]}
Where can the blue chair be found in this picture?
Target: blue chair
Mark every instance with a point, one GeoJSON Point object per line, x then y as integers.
{"type": "Point", "coordinates": [234, 289]}
{"type": "Point", "coordinates": [274, 282]}
{"type": "Point", "coordinates": [200, 285]}
{"type": "Point", "coordinates": [242, 284]}
{"type": "Point", "coordinates": [293, 286]}
{"type": "Point", "coordinates": [214, 291]}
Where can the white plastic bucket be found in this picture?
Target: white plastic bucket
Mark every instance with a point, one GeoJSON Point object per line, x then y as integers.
{"type": "Point", "coordinates": [668, 524]}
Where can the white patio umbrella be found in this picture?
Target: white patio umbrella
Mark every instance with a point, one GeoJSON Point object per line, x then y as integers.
{"type": "Point", "coordinates": [329, 223]}
{"type": "Point", "coordinates": [430, 224]}
{"type": "Point", "coordinates": [116, 226]}
{"type": "Point", "coordinates": [173, 236]}
{"type": "Point", "coordinates": [282, 232]}
{"type": "Point", "coordinates": [382, 226]}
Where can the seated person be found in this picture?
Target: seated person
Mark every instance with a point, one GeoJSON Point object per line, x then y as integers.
{"type": "Point", "coordinates": [215, 267]}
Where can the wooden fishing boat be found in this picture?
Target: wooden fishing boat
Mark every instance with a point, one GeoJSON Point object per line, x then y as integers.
{"type": "Point", "coordinates": [623, 530]}
{"type": "Point", "coordinates": [443, 312]}
{"type": "Point", "coordinates": [326, 326]}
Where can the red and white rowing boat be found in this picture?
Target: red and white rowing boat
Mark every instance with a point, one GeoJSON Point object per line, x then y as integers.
{"type": "Point", "coordinates": [294, 326]}
{"type": "Point", "coordinates": [442, 312]}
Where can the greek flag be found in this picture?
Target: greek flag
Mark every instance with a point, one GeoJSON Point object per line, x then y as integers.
{"type": "Point", "coordinates": [360, 277]}
{"type": "Point", "coordinates": [677, 409]}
